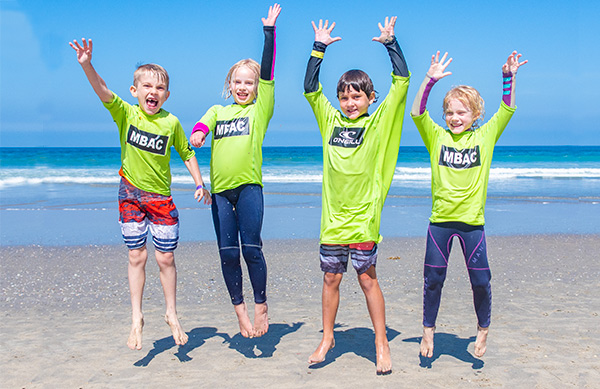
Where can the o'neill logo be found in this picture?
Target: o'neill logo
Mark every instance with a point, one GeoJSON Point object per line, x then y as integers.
{"type": "Point", "coordinates": [347, 137]}
{"type": "Point", "coordinates": [156, 144]}
{"type": "Point", "coordinates": [460, 159]}
{"type": "Point", "coordinates": [233, 127]}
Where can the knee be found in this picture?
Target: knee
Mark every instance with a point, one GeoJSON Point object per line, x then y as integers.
{"type": "Point", "coordinates": [138, 257]}
{"type": "Point", "coordinates": [252, 253]}
{"type": "Point", "coordinates": [481, 280]}
{"type": "Point", "coordinates": [434, 277]}
{"type": "Point", "coordinates": [230, 256]}
{"type": "Point", "coordinates": [165, 260]}
{"type": "Point", "coordinates": [367, 282]}
{"type": "Point", "coordinates": [332, 280]}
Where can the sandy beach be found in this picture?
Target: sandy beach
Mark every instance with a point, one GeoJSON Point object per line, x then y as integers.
{"type": "Point", "coordinates": [65, 320]}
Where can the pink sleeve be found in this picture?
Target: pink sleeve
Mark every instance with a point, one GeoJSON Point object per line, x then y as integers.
{"type": "Point", "coordinates": [201, 127]}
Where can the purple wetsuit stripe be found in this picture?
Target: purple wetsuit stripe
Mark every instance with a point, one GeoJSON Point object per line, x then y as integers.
{"type": "Point", "coordinates": [438, 247]}
{"type": "Point", "coordinates": [274, 53]}
{"type": "Point", "coordinates": [425, 96]}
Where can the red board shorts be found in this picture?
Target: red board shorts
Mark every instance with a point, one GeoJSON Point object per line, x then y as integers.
{"type": "Point", "coordinates": [140, 211]}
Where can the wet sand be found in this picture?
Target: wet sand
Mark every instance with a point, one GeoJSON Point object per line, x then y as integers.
{"type": "Point", "coordinates": [66, 317]}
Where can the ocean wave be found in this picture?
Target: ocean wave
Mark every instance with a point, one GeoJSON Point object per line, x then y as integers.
{"type": "Point", "coordinates": [32, 177]}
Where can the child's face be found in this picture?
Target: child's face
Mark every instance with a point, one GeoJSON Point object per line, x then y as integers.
{"type": "Point", "coordinates": [458, 117]}
{"type": "Point", "coordinates": [151, 92]}
{"type": "Point", "coordinates": [243, 85]}
{"type": "Point", "coordinates": [355, 104]}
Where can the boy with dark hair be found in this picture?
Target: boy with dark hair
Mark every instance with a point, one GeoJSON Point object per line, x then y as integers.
{"type": "Point", "coordinates": [359, 159]}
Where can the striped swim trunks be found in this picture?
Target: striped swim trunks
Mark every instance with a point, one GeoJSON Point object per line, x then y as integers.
{"type": "Point", "coordinates": [334, 258]}
{"type": "Point", "coordinates": [141, 211]}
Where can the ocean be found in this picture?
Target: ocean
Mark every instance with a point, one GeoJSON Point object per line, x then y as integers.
{"type": "Point", "coordinates": [68, 196]}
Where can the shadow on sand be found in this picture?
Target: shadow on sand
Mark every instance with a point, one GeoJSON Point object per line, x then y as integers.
{"type": "Point", "coordinates": [246, 346]}
{"type": "Point", "coordinates": [360, 341]}
{"type": "Point", "coordinates": [449, 344]}
{"type": "Point", "coordinates": [266, 344]}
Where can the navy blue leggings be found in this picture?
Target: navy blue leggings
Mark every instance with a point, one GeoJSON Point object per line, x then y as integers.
{"type": "Point", "coordinates": [239, 212]}
{"type": "Point", "coordinates": [439, 244]}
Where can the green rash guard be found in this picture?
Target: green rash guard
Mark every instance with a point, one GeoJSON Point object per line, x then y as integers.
{"type": "Point", "coordinates": [238, 134]}
{"type": "Point", "coordinates": [146, 145]}
{"type": "Point", "coordinates": [359, 161]}
{"type": "Point", "coordinates": [460, 167]}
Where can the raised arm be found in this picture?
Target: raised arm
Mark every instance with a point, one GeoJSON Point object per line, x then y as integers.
{"type": "Point", "coordinates": [388, 39]}
{"type": "Point", "coordinates": [323, 39]}
{"type": "Point", "coordinates": [509, 72]}
{"type": "Point", "coordinates": [436, 71]}
{"type": "Point", "coordinates": [84, 57]}
{"type": "Point", "coordinates": [267, 64]}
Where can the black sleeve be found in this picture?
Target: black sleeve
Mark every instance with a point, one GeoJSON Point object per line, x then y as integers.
{"type": "Point", "coordinates": [311, 79]}
{"type": "Point", "coordinates": [268, 56]}
{"type": "Point", "coordinates": [398, 61]}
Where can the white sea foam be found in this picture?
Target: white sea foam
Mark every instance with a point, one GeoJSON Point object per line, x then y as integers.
{"type": "Point", "coordinates": [42, 176]}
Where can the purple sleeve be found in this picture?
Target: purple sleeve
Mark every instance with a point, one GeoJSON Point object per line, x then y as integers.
{"type": "Point", "coordinates": [425, 96]}
{"type": "Point", "coordinates": [507, 81]}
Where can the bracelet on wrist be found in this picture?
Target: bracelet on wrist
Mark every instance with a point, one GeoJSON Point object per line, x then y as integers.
{"type": "Point", "coordinates": [199, 187]}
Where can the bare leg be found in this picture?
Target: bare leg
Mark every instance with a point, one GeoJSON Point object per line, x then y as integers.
{"type": "Point", "coordinates": [261, 319]}
{"type": "Point", "coordinates": [376, 305]}
{"type": "Point", "coordinates": [137, 277]}
{"type": "Point", "coordinates": [168, 279]}
{"type": "Point", "coordinates": [481, 341]}
{"type": "Point", "coordinates": [245, 325]}
{"type": "Point", "coordinates": [330, 304]}
{"type": "Point", "coordinates": [427, 342]}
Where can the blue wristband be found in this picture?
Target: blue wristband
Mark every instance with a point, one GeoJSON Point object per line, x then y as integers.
{"type": "Point", "coordinates": [199, 187]}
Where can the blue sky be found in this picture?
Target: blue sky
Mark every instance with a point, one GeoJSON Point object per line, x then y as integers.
{"type": "Point", "coordinates": [45, 99]}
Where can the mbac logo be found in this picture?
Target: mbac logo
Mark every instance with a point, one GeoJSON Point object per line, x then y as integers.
{"type": "Point", "coordinates": [156, 144]}
{"type": "Point", "coordinates": [347, 137]}
{"type": "Point", "coordinates": [459, 159]}
{"type": "Point", "coordinates": [233, 127]}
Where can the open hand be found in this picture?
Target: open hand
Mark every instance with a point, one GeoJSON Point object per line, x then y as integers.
{"type": "Point", "coordinates": [387, 31]}
{"type": "Point", "coordinates": [203, 194]}
{"type": "Point", "coordinates": [438, 67]}
{"type": "Point", "coordinates": [323, 32]}
{"type": "Point", "coordinates": [84, 53]}
{"type": "Point", "coordinates": [512, 63]}
{"type": "Point", "coordinates": [274, 11]}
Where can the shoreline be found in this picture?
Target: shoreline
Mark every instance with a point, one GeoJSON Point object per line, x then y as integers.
{"type": "Point", "coordinates": [66, 319]}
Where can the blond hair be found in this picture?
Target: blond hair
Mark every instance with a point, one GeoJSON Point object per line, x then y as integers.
{"type": "Point", "coordinates": [250, 64]}
{"type": "Point", "coordinates": [470, 99]}
{"type": "Point", "coordinates": [154, 69]}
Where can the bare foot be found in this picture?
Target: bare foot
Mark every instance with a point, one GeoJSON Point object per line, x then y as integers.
{"type": "Point", "coordinates": [319, 355]}
{"type": "Point", "coordinates": [481, 341]}
{"type": "Point", "coordinates": [179, 334]}
{"type": "Point", "coordinates": [427, 342]}
{"type": "Point", "coordinates": [384, 359]}
{"type": "Point", "coordinates": [135, 336]}
{"type": "Point", "coordinates": [245, 325]}
{"type": "Point", "coordinates": [261, 319]}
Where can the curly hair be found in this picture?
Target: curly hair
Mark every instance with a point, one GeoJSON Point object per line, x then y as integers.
{"type": "Point", "coordinates": [470, 98]}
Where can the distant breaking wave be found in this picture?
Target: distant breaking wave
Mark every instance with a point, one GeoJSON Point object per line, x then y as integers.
{"type": "Point", "coordinates": [42, 176]}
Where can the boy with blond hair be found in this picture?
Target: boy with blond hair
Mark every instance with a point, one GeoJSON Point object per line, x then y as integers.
{"type": "Point", "coordinates": [146, 133]}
